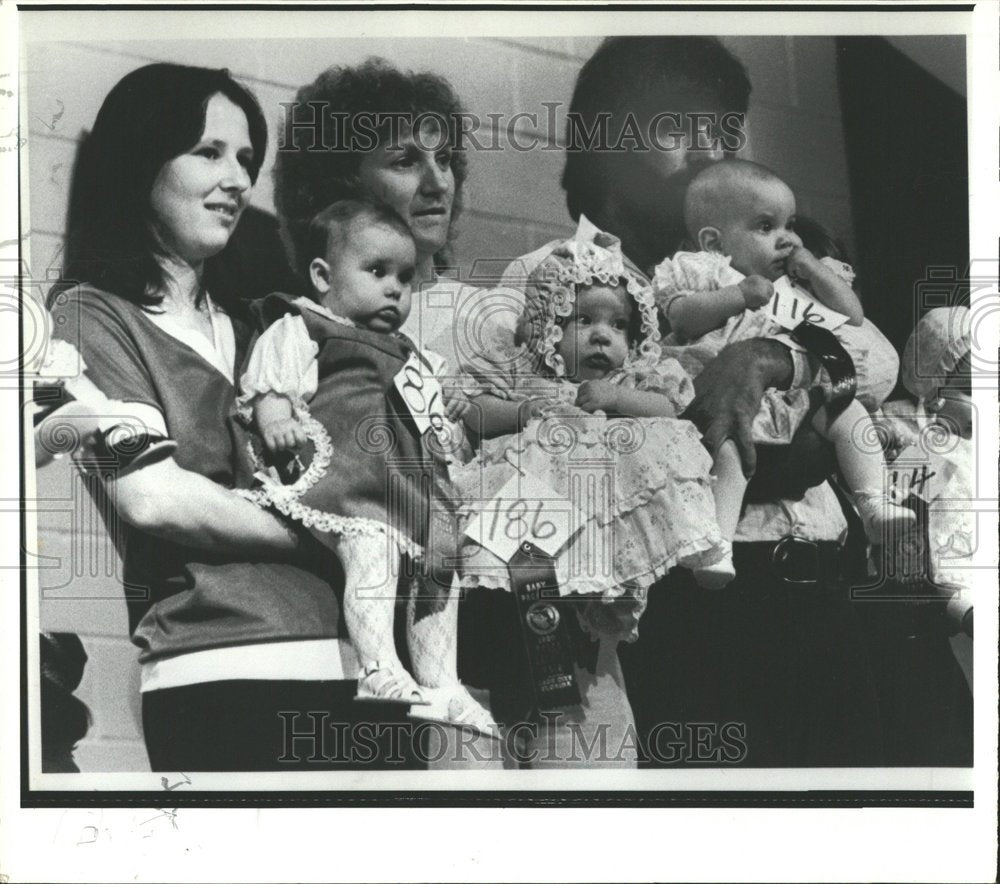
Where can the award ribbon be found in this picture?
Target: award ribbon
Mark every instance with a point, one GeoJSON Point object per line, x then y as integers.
{"type": "Point", "coordinates": [525, 525]}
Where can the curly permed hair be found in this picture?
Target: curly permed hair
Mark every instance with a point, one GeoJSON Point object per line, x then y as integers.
{"type": "Point", "coordinates": [309, 176]}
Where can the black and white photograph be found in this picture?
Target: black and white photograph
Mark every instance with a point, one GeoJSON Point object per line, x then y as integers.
{"type": "Point", "coordinates": [442, 407]}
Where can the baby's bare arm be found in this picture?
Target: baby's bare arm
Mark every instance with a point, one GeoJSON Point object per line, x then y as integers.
{"type": "Point", "coordinates": [697, 313]}
{"type": "Point", "coordinates": [488, 416]}
{"type": "Point", "coordinates": [611, 398]}
{"type": "Point", "coordinates": [828, 288]}
{"type": "Point", "coordinates": [639, 403]}
{"type": "Point", "coordinates": [276, 422]}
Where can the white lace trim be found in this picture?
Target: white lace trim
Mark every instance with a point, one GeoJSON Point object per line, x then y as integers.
{"type": "Point", "coordinates": [285, 498]}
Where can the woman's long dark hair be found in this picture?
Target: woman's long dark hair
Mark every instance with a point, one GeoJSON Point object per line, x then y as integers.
{"type": "Point", "coordinates": [152, 115]}
{"type": "Point", "coordinates": [308, 176]}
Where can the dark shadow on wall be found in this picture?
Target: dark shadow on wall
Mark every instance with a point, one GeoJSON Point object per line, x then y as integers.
{"type": "Point", "coordinates": [254, 263]}
{"type": "Point", "coordinates": [907, 155]}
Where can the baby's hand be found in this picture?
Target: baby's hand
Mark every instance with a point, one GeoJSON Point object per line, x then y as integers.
{"type": "Point", "coordinates": [802, 264]}
{"type": "Point", "coordinates": [756, 291]}
{"type": "Point", "coordinates": [599, 395]}
{"type": "Point", "coordinates": [490, 378]}
{"type": "Point", "coordinates": [537, 407]}
{"type": "Point", "coordinates": [284, 434]}
{"type": "Point", "coordinates": [456, 403]}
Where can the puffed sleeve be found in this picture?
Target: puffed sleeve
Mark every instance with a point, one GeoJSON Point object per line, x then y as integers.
{"type": "Point", "coordinates": [93, 323]}
{"type": "Point", "coordinates": [283, 361]}
{"type": "Point", "coordinates": [666, 377]}
{"type": "Point", "coordinates": [688, 272]}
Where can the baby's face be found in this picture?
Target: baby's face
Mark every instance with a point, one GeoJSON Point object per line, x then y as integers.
{"type": "Point", "coordinates": [371, 273]}
{"type": "Point", "coordinates": [758, 235]}
{"type": "Point", "coordinates": [595, 335]}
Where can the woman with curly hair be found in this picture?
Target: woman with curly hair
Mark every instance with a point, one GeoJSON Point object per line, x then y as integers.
{"type": "Point", "coordinates": [396, 137]}
{"type": "Point", "coordinates": [373, 132]}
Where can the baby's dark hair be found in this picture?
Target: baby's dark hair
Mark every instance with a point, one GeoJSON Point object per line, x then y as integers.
{"type": "Point", "coordinates": [332, 226]}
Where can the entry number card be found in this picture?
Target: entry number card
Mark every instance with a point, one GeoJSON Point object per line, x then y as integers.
{"type": "Point", "coordinates": [792, 305]}
{"type": "Point", "coordinates": [525, 509]}
{"type": "Point", "coordinates": [419, 387]}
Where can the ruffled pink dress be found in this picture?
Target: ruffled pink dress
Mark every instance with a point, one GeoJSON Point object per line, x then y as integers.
{"type": "Point", "coordinates": [641, 485]}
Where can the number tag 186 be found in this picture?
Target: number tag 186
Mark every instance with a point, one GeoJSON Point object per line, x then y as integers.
{"type": "Point", "coordinates": [423, 397]}
{"type": "Point", "coordinates": [526, 508]}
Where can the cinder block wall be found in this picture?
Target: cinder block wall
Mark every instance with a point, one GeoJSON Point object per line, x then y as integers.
{"type": "Point", "coordinates": [513, 204]}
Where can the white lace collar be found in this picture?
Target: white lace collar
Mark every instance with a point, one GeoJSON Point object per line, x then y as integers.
{"type": "Point", "coordinates": [309, 304]}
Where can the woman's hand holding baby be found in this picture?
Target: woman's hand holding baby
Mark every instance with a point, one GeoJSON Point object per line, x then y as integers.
{"type": "Point", "coordinates": [756, 291]}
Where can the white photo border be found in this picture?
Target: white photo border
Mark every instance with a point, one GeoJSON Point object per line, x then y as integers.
{"type": "Point", "coordinates": [23, 783]}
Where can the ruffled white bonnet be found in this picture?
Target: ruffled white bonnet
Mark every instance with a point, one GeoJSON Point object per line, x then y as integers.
{"type": "Point", "coordinates": [939, 342]}
{"type": "Point", "coordinates": [590, 257]}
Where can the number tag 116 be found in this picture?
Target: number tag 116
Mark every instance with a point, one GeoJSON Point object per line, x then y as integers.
{"type": "Point", "coordinates": [792, 305]}
{"type": "Point", "coordinates": [422, 394]}
{"type": "Point", "coordinates": [525, 509]}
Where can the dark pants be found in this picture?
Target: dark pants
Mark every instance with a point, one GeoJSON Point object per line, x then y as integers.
{"type": "Point", "coordinates": [925, 701]}
{"type": "Point", "coordinates": [254, 725]}
{"type": "Point", "coordinates": [783, 665]}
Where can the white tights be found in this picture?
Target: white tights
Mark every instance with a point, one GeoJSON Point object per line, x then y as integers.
{"type": "Point", "coordinates": [372, 565]}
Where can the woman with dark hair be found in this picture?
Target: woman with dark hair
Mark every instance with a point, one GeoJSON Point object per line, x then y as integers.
{"type": "Point", "coordinates": [152, 116]}
{"type": "Point", "coordinates": [232, 610]}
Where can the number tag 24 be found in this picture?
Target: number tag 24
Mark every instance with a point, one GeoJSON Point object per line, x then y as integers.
{"type": "Point", "coordinates": [525, 509]}
{"type": "Point", "coordinates": [422, 394]}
